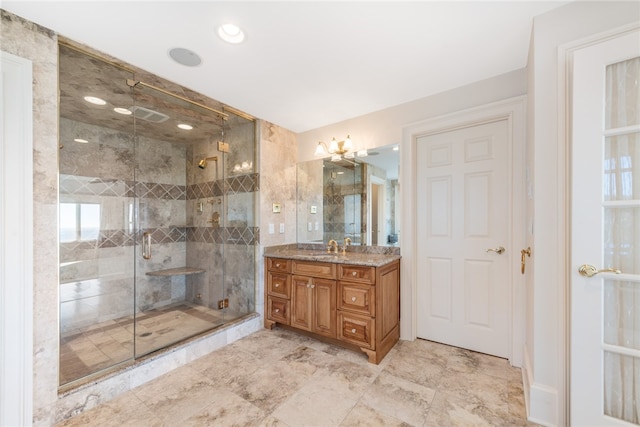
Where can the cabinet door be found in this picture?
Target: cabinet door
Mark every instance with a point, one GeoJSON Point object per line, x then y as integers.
{"type": "Point", "coordinates": [324, 307]}
{"type": "Point", "coordinates": [301, 293]}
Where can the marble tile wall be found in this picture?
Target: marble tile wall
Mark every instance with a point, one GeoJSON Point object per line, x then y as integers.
{"type": "Point", "coordinates": [345, 201]}
{"type": "Point", "coordinates": [38, 44]}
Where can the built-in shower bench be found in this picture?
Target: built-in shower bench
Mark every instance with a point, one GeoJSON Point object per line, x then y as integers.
{"type": "Point", "coordinates": [180, 271]}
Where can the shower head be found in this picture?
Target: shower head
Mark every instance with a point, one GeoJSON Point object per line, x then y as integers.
{"type": "Point", "coordinates": [203, 163]}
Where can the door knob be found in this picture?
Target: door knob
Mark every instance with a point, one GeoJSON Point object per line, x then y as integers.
{"type": "Point", "coordinates": [588, 270]}
{"type": "Point", "coordinates": [497, 250]}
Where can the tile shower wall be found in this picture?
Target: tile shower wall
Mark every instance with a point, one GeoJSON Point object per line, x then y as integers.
{"type": "Point", "coordinates": [234, 198]}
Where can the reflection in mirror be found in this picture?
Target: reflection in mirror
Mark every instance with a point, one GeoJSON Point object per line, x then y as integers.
{"type": "Point", "coordinates": [356, 198]}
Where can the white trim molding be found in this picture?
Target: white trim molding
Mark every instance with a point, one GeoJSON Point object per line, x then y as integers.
{"type": "Point", "coordinates": [16, 238]}
{"type": "Point", "coordinates": [514, 111]}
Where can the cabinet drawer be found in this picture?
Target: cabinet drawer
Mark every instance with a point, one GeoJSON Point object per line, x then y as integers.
{"type": "Point", "coordinates": [358, 298]}
{"type": "Point", "coordinates": [278, 310]}
{"type": "Point", "coordinates": [357, 273]}
{"type": "Point", "coordinates": [279, 285]}
{"type": "Point", "coordinates": [279, 264]}
{"type": "Point", "coordinates": [314, 269]}
{"type": "Point", "coordinates": [356, 329]}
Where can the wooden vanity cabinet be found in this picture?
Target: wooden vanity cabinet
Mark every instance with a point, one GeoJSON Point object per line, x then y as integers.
{"type": "Point", "coordinates": [351, 305]}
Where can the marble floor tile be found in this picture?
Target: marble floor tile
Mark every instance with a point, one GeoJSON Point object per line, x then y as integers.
{"type": "Point", "coordinates": [278, 378]}
{"type": "Point", "coordinates": [316, 404]}
{"type": "Point", "coordinates": [399, 398]}
{"type": "Point", "coordinates": [364, 416]}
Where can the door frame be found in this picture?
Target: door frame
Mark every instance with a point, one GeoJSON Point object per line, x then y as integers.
{"type": "Point", "coordinates": [16, 232]}
{"type": "Point", "coordinates": [565, 121]}
{"type": "Point", "coordinates": [513, 110]}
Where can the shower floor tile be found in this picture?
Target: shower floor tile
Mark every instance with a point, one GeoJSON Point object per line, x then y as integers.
{"type": "Point", "coordinates": [88, 350]}
{"type": "Point", "coordinates": [280, 378]}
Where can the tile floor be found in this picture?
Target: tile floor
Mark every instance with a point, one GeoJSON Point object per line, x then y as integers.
{"type": "Point", "coordinates": [280, 378]}
{"type": "Point", "coordinates": [88, 350]}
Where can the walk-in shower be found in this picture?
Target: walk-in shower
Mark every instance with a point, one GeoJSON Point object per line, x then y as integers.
{"type": "Point", "coordinates": [155, 247]}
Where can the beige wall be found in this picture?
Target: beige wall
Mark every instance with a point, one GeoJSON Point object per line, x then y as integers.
{"type": "Point", "coordinates": [384, 127]}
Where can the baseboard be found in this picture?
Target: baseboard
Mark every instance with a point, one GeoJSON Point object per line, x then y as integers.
{"type": "Point", "coordinates": [541, 401]}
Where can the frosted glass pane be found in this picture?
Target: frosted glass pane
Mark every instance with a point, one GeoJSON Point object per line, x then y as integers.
{"type": "Point", "coordinates": [623, 94]}
{"type": "Point", "coordinates": [621, 237]}
{"type": "Point", "coordinates": [622, 167]}
{"type": "Point", "coordinates": [622, 387]}
{"type": "Point", "coordinates": [622, 314]}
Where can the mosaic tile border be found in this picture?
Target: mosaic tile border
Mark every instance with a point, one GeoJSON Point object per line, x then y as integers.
{"type": "Point", "coordinates": [248, 236]}
{"type": "Point", "coordinates": [232, 185]}
{"type": "Point", "coordinates": [92, 186]}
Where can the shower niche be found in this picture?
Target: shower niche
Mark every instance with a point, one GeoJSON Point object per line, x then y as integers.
{"type": "Point", "coordinates": [156, 214]}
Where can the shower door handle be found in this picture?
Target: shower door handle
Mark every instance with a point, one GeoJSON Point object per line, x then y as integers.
{"type": "Point", "coordinates": [146, 245]}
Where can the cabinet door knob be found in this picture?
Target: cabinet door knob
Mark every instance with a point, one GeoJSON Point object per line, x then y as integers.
{"type": "Point", "coordinates": [353, 331]}
{"type": "Point", "coordinates": [354, 274]}
{"type": "Point", "coordinates": [277, 310]}
{"type": "Point", "coordinates": [277, 285]}
{"type": "Point", "coordinates": [353, 299]}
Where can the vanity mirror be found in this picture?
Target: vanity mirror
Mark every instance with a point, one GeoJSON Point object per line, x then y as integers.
{"type": "Point", "coordinates": [356, 198]}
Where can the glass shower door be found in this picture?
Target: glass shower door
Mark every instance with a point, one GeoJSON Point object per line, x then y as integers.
{"type": "Point", "coordinates": [179, 205]}
{"type": "Point", "coordinates": [97, 235]}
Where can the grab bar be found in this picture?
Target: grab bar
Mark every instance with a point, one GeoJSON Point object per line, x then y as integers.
{"type": "Point", "coordinates": [146, 245]}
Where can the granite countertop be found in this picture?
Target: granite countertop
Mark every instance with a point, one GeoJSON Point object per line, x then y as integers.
{"type": "Point", "coordinates": [356, 258]}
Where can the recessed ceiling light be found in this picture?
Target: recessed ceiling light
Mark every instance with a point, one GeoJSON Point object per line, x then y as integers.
{"type": "Point", "coordinates": [81, 141]}
{"type": "Point", "coordinates": [231, 33]}
{"type": "Point", "coordinates": [94, 100]}
{"type": "Point", "coordinates": [124, 111]}
{"type": "Point", "coordinates": [185, 126]}
{"type": "Point", "coordinates": [185, 57]}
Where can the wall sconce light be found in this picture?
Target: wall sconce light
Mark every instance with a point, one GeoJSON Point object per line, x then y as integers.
{"type": "Point", "coordinates": [338, 149]}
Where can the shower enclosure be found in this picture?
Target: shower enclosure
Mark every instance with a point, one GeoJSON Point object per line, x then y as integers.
{"type": "Point", "coordinates": [157, 196]}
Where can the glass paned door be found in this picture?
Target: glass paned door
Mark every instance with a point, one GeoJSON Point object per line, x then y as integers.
{"type": "Point", "coordinates": [605, 234]}
{"type": "Point", "coordinates": [621, 241]}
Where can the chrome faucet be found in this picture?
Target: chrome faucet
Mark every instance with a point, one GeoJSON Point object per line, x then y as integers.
{"type": "Point", "coordinates": [347, 242]}
{"type": "Point", "coordinates": [332, 244]}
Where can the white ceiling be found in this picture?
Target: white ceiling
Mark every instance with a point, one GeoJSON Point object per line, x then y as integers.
{"type": "Point", "coordinates": [305, 64]}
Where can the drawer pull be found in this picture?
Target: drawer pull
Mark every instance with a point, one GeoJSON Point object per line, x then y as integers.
{"type": "Point", "coordinates": [353, 331]}
{"type": "Point", "coordinates": [278, 265]}
{"type": "Point", "coordinates": [277, 285]}
{"type": "Point", "coordinates": [277, 310]}
{"type": "Point", "coordinates": [354, 274]}
{"type": "Point", "coordinates": [353, 299]}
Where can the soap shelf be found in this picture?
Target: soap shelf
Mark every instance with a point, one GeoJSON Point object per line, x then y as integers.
{"type": "Point", "coordinates": [180, 271]}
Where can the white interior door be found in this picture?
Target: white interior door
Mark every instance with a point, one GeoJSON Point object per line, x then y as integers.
{"type": "Point", "coordinates": [605, 314]}
{"type": "Point", "coordinates": [462, 230]}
